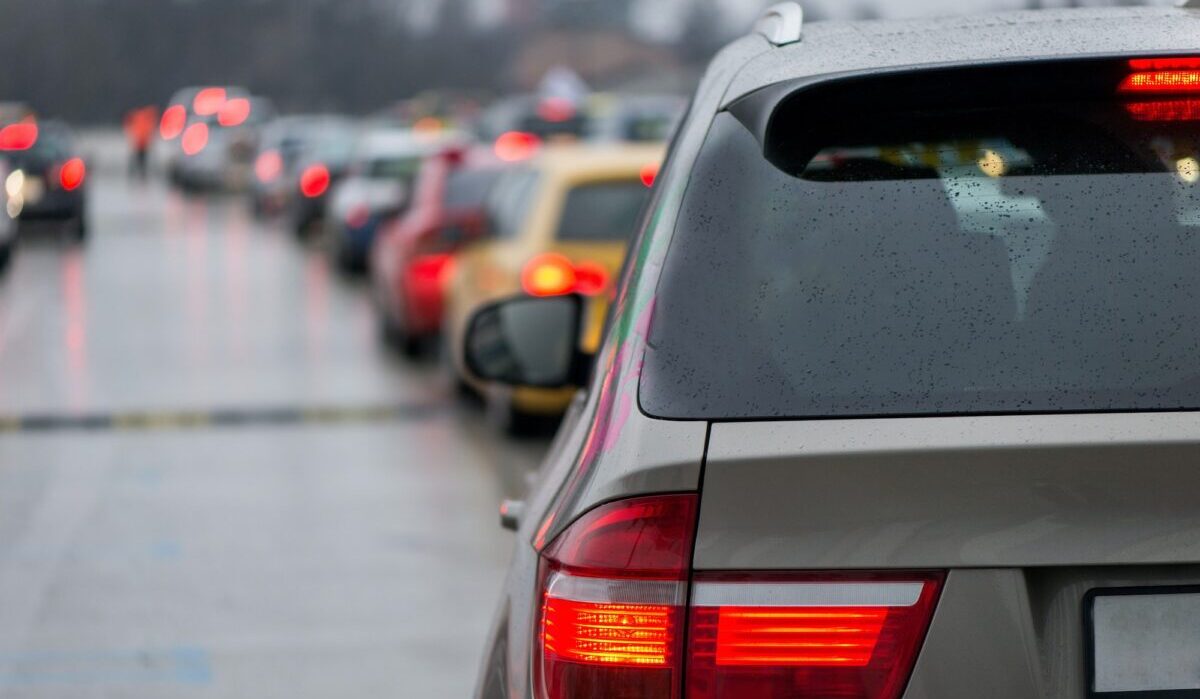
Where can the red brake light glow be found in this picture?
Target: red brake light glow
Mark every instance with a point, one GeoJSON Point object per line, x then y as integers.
{"type": "Point", "coordinates": [314, 181]}
{"type": "Point", "coordinates": [174, 119]}
{"type": "Point", "coordinates": [649, 174]}
{"type": "Point", "coordinates": [551, 274]}
{"type": "Point", "coordinates": [813, 636]}
{"type": "Point", "coordinates": [234, 112]}
{"type": "Point", "coordinates": [20, 136]}
{"type": "Point", "coordinates": [1170, 110]}
{"type": "Point", "coordinates": [548, 275]}
{"type": "Point", "coordinates": [268, 166]}
{"type": "Point", "coordinates": [556, 109]}
{"type": "Point", "coordinates": [515, 146]}
{"type": "Point", "coordinates": [195, 138]}
{"type": "Point", "coordinates": [72, 173]}
{"type": "Point", "coordinates": [209, 101]}
{"type": "Point", "coordinates": [1163, 76]}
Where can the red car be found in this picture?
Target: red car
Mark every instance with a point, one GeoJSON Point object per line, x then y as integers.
{"type": "Point", "coordinates": [412, 257]}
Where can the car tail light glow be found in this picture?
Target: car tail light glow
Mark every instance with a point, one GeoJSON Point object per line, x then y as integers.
{"type": "Point", "coordinates": [649, 174]}
{"type": "Point", "coordinates": [195, 138]}
{"type": "Point", "coordinates": [234, 112]}
{"type": "Point", "coordinates": [72, 173]}
{"type": "Point", "coordinates": [268, 166]}
{"type": "Point", "coordinates": [314, 181]}
{"type": "Point", "coordinates": [209, 101]}
{"type": "Point", "coordinates": [174, 119]}
{"type": "Point", "coordinates": [556, 109]}
{"type": "Point", "coordinates": [614, 590]}
{"type": "Point", "coordinates": [433, 269]}
{"type": "Point", "coordinates": [20, 136]}
{"type": "Point", "coordinates": [1172, 110]}
{"type": "Point", "coordinates": [515, 146]}
{"type": "Point", "coordinates": [1163, 76]}
{"type": "Point", "coordinates": [551, 274]}
{"type": "Point", "coordinates": [807, 636]}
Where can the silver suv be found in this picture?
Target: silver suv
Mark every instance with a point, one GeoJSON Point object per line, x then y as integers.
{"type": "Point", "coordinates": [898, 395]}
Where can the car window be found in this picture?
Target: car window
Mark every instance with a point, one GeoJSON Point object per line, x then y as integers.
{"type": "Point", "coordinates": [394, 168]}
{"type": "Point", "coordinates": [510, 203]}
{"type": "Point", "coordinates": [469, 188]}
{"type": "Point", "coordinates": [1005, 260]}
{"type": "Point", "coordinates": [603, 211]}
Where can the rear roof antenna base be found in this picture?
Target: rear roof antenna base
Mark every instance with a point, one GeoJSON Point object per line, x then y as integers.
{"type": "Point", "coordinates": [783, 24]}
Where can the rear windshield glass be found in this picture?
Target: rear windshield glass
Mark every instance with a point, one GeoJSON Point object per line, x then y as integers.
{"type": "Point", "coordinates": [404, 169]}
{"type": "Point", "coordinates": [1036, 259]}
{"type": "Point", "coordinates": [603, 211]}
{"type": "Point", "coordinates": [468, 189]}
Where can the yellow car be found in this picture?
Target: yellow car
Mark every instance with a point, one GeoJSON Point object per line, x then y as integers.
{"type": "Point", "coordinates": [558, 224]}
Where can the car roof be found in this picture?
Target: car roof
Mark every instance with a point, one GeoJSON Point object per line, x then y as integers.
{"type": "Point", "coordinates": [583, 160]}
{"type": "Point", "coordinates": [858, 46]}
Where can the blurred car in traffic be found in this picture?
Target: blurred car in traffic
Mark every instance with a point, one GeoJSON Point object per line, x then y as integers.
{"type": "Point", "coordinates": [191, 116]}
{"type": "Point", "coordinates": [559, 224]}
{"type": "Point", "coordinates": [895, 402]}
{"type": "Point", "coordinates": [633, 118]}
{"type": "Point", "coordinates": [225, 159]}
{"type": "Point", "coordinates": [325, 150]}
{"type": "Point", "coordinates": [379, 186]}
{"type": "Point", "coordinates": [8, 217]}
{"type": "Point", "coordinates": [47, 175]}
{"type": "Point", "coordinates": [412, 257]}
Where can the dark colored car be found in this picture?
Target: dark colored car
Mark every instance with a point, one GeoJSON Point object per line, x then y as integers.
{"type": "Point", "coordinates": [412, 256]}
{"type": "Point", "coordinates": [326, 150]}
{"type": "Point", "coordinates": [899, 395]}
{"type": "Point", "coordinates": [47, 175]}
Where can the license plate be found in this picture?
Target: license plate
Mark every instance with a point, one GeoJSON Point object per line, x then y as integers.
{"type": "Point", "coordinates": [1143, 643]}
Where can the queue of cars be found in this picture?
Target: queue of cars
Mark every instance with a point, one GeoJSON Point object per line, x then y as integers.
{"type": "Point", "coordinates": [538, 195]}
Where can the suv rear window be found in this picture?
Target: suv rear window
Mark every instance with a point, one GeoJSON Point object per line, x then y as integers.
{"type": "Point", "coordinates": [605, 211]}
{"type": "Point", "coordinates": [1007, 259]}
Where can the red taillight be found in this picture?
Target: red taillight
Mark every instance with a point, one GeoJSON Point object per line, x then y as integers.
{"type": "Point", "coordinates": [807, 637]}
{"type": "Point", "coordinates": [72, 173]}
{"type": "Point", "coordinates": [516, 145]}
{"type": "Point", "coordinates": [20, 136]}
{"type": "Point", "coordinates": [234, 112]}
{"type": "Point", "coordinates": [548, 275]}
{"type": "Point", "coordinates": [1163, 76]}
{"type": "Point", "coordinates": [174, 119]}
{"type": "Point", "coordinates": [314, 181]}
{"type": "Point", "coordinates": [649, 174]}
{"type": "Point", "coordinates": [195, 138]}
{"type": "Point", "coordinates": [209, 101]}
{"type": "Point", "coordinates": [431, 269]}
{"type": "Point", "coordinates": [613, 588]}
{"type": "Point", "coordinates": [1171, 110]}
{"type": "Point", "coordinates": [551, 274]}
{"type": "Point", "coordinates": [268, 166]}
{"type": "Point", "coordinates": [556, 109]}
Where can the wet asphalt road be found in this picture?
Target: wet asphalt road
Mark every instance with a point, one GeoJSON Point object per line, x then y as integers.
{"type": "Point", "coordinates": [346, 549]}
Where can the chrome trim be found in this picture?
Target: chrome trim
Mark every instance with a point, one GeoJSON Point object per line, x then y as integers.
{"type": "Point", "coordinates": [807, 594]}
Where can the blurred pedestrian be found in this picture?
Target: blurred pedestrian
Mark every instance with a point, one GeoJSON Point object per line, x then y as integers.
{"type": "Point", "coordinates": [139, 131]}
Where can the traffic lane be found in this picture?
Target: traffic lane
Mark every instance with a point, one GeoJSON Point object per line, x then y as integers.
{"type": "Point", "coordinates": [354, 560]}
{"type": "Point", "coordinates": [186, 302]}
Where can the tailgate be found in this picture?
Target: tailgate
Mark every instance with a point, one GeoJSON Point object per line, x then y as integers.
{"type": "Point", "coordinates": [1009, 491]}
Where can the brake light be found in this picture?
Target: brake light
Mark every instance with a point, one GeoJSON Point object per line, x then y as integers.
{"type": "Point", "coordinates": [268, 166]}
{"type": "Point", "coordinates": [174, 119]}
{"type": "Point", "coordinates": [1172, 110]}
{"type": "Point", "coordinates": [314, 181]}
{"type": "Point", "coordinates": [551, 274]}
{"type": "Point", "coordinates": [234, 112]}
{"type": "Point", "coordinates": [20, 136]}
{"type": "Point", "coordinates": [72, 173]}
{"type": "Point", "coordinates": [209, 101]}
{"type": "Point", "coordinates": [649, 174]}
{"type": "Point", "coordinates": [514, 146]}
{"type": "Point", "coordinates": [556, 109]}
{"type": "Point", "coordinates": [195, 138]}
{"type": "Point", "coordinates": [852, 637]}
{"type": "Point", "coordinates": [1163, 75]}
{"type": "Point", "coordinates": [613, 587]}
{"type": "Point", "coordinates": [431, 269]}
